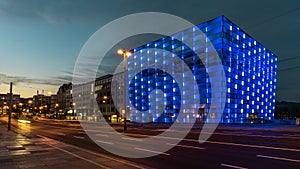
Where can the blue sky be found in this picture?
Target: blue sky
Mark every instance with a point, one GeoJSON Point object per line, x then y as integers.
{"type": "Point", "coordinates": [40, 40]}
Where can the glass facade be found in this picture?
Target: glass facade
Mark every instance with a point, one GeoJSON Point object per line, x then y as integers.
{"type": "Point", "coordinates": [249, 67]}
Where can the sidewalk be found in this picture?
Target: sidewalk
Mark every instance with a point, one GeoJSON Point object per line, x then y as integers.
{"type": "Point", "coordinates": [20, 152]}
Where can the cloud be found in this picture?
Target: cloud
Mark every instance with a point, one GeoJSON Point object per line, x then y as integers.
{"type": "Point", "coordinates": [21, 80]}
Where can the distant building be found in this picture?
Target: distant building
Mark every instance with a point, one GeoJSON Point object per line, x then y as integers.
{"type": "Point", "coordinates": [4, 101]}
{"type": "Point", "coordinates": [41, 100]}
{"type": "Point", "coordinates": [64, 98]}
{"type": "Point", "coordinates": [104, 98]}
{"type": "Point", "coordinates": [287, 110]}
{"type": "Point", "coordinates": [83, 100]}
{"type": "Point", "coordinates": [41, 103]}
{"type": "Point", "coordinates": [27, 104]}
{"type": "Point", "coordinates": [53, 104]}
{"type": "Point", "coordinates": [94, 97]}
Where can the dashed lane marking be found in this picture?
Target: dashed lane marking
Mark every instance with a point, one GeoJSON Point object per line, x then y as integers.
{"type": "Point", "coordinates": [152, 151]}
{"type": "Point", "coordinates": [79, 137]}
{"type": "Point", "coordinates": [278, 158]}
{"type": "Point", "coordinates": [232, 166]}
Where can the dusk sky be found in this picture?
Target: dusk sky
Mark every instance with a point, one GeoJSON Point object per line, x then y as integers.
{"type": "Point", "coordinates": [40, 40]}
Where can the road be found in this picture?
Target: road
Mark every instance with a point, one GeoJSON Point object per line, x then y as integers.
{"type": "Point", "coordinates": [227, 148]}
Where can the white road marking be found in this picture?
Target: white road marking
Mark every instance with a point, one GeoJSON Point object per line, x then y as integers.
{"type": "Point", "coordinates": [97, 154]}
{"type": "Point", "coordinates": [253, 146]}
{"type": "Point", "coordinates": [186, 146]}
{"type": "Point", "coordinates": [232, 166]}
{"type": "Point", "coordinates": [241, 134]}
{"type": "Point", "coordinates": [104, 142]}
{"type": "Point", "coordinates": [226, 133]}
{"type": "Point", "coordinates": [111, 158]}
{"type": "Point", "coordinates": [81, 132]}
{"type": "Point", "coordinates": [152, 151]}
{"type": "Point", "coordinates": [133, 139]}
{"type": "Point", "coordinates": [61, 134]}
{"type": "Point", "coordinates": [75, 155]}
{"type": "Point", "coordinates": [98, 130]}
{"type": "Point", "coordinates": [278, 158]}
{"type": "Point", "coordinates": [218, 142]}
{"type": "Point", "coordinates": [225, 143]}
{"type": "Point", "coordinates": [103, 135]}
{"type": "Point", "coordinates": [79, 137]}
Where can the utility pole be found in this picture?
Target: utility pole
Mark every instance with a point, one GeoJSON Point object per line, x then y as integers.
{"type": "Point", "coordinates": [10, 107]}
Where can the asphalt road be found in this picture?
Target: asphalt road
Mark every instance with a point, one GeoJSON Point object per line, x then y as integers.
{"type": "Point", "coordinates": [227, 148]}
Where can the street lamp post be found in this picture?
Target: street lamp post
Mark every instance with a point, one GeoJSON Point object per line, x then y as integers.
{"type": "Point", "coordinates": [73, 111]}
{"type": "Point", "coordinates": [125, 55]}
{"type": "Point", "coordinates": [29, 107]}
{"type": "Point", "coordinates": [56, 110]}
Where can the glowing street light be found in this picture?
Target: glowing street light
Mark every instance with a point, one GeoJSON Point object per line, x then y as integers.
{"type": "Point", "coordinates": [123, 52]}
{"type": "Point", "coordinates": [125, 55]}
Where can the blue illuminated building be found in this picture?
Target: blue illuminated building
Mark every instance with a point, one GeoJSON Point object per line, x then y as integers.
{"type": "Point", "coordinates": [250, 71]}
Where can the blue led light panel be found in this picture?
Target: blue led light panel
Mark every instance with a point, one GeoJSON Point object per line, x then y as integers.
{"type": "Point", "coordinates": [249, 67]}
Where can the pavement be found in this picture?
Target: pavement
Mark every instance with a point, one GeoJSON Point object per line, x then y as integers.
{"type": "Point", "coordinates": [18, 152]}
{"type": "Point", "coordinates": [22, 152]}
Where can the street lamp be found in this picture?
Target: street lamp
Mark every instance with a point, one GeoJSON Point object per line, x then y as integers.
{"type": "Point", "coordinates": [20, 109]}
{"type": "Point", "coordinates": [29, 106]}
{"type": "Point", "coordinates": [56, 109]}
{"type": "Point", "coordinates": [73, 111]}
{"type": "Point", "coordinates": [125, 55]}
